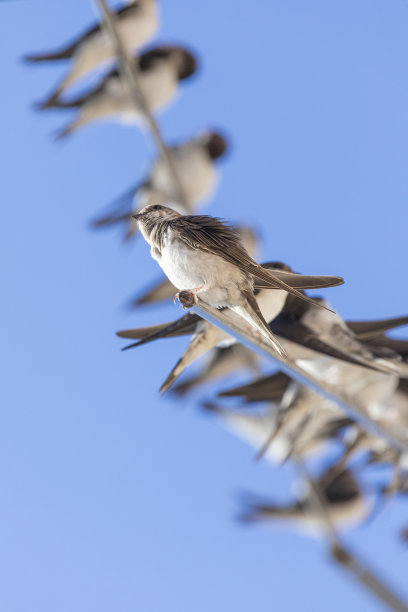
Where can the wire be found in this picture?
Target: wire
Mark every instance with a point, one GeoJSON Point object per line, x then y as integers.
{"type": "Point", "coordinates": [231, 323]}
{"type": "Point", "coordinates": [132, 78]}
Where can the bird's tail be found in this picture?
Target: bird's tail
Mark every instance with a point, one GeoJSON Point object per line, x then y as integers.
{"type": "Point", "coordinates": [256, 508]}
{"type": "Point", "coordinates": [68, 129]}
{"type": "Point", "coordinates": [198, 346]}
{"type": "Point", "coordinates": [35, 58]}
{"type": "Point", "coordinates": [55, 101]}
{"type": "Point", "coordinates": [257, 320]}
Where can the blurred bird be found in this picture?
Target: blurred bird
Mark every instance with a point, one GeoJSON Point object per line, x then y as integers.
{"type": "Point", "coordinates": [207, 336]}
{"type": "Point", "coordinates": [374, 333]}
{"type": "Point", "coordinates": [194, 162]}
{"type": "Point", "coordinates": [299, 320]}
{"type": "Point", "coordinates": [160, 71]}
{"type": "Point", "coordinates": [303, 420]}
{"type": "Point", "coordinates": [136, 23]}
{"type": "Point", "coordinates": [220, 362]}
{"type": "Point", "coordinates": [343, 498]}
{"type": "Point", "coordinates": [375, 392]}
{"type": "Point", "coordinates": [200, 254]}
{"type": "Point", "coordinates": [278, 430]}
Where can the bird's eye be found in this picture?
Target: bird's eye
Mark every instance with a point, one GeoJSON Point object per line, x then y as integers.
{"type": "Point", "coordinates": [157, 207]}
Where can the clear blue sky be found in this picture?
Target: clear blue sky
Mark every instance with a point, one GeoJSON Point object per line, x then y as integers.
{"type": "Point", "coordinates": [112, 499]}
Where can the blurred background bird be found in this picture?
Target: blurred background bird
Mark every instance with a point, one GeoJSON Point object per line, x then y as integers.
{"type": "Point", "coordinates": [137, 22]}
{"type": "Point", "coordinates": [195, 164]}
{"type": "Point", "coordinates": [160, 71]}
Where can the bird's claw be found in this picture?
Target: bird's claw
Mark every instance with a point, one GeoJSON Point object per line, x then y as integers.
{"type": "Point", "coordinates": [186, 298]}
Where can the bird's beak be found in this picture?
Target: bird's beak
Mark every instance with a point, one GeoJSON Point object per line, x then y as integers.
{"type": "Point", "coordinates": [137, 216]}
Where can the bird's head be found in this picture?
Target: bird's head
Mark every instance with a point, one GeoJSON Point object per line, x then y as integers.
{"type": "Point", "coordinates": [214, 143]}
{"type": "Point", "coordinates": [151, 214]}
{"type": "Point", "coordinates": [183, 60]}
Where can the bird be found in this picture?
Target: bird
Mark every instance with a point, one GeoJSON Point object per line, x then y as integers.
{"type": "Point", "coordinates": [206, 336]}
{"type": "Point", "coordinates": [300, 320]}
{"type": "Point", "coordinates": [160, 71]}
{"type": "Point", "coordinates": [303, 420]}
{"type": "Point", "coordinates": [279, 310]}
{"type": "Point", "coordinates": [277, 428]}
{"type": "Point", "coordinates": [163, 289]}
{"type": "Point", "coordinates": [344, 501]}
{"type": "Point", "coordinates": [136, 22]}
{"type": "Point", "coordinates": [203, 255]}
{"type": "Point", "coordinates": [194, 162]}
{"type": "Point", "coordinates": [378, 393]}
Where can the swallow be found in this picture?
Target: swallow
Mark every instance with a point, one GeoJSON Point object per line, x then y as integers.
{"type": "Point", "coordinates": [264, 427]}
{"type": "Point", "coordinates": [301, 340]}
{"type": "Point", "coordinates": [379, 393]}
{"type": "Point", "coordinates": [202, 255]}
{"type": "Point", "coordinates": [319, 328]}
{"type": "Point", "coordinates": [195, 164]}
{"type": "Point", "coordinates": [303, 420]}
{"type": "Point", "coordinates": [136, 21]}
{"type": "Point", "coordinates": [164, 290]}
{"type": "Point", "coordinates": [207, 336]}
{"type": "Point", "coordinates": [160, 71]}
{"type": "Point", "coordinates": [345, 503]}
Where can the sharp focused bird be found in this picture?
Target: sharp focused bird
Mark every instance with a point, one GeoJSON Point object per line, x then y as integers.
{"type": "Point", "coordinates": [202, 255]}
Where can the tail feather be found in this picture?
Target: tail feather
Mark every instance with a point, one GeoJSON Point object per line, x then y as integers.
{"type": "Point", "coordinates": [62, 54]}
{"type": "Point", "coordinates": [200, 344]}
{"type": "Point", "coordinates": [254, 316]}
{"type": "Point", "coordinates": [173, 376]}
{"type": "Point", "coordinates": [68, 129]}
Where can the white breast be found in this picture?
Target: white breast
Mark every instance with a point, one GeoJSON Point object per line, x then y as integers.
{"type": "Point", "coordinates": [189, 268]}
{"type": "Point", "coordinates": [159, 85]}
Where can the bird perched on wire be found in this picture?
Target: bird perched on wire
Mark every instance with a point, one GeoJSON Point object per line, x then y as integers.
{"type": "Point", "coordinates": [206, 336]}
{"type": "Point", "coordinates": [160, 71]}
{"type": "Point", "coordinates": [310, 328]}
{"type": "Point", "coordinates": [162, 290]}
{"type": "Point", "coordinates": [136, 23]}
{"type": "Point", "coordinates": [194, 162]}
{"type": "Point", "coordinates": [202, 255]}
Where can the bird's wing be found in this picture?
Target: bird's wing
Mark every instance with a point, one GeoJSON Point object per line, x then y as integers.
{"type": "Point", "coordinates": [268, 388]}
{"type": "Point", "coordinates": [201, 232]}
{"type": "Point", "coordinates": [69, 49]}
{"type": "Point", "coordinates": [368, 329]}
{"type": "Point", "coordinates": [391, 344]}
{"type": "Point", "coordinates": [181, 327]}
{"type": "Point", "coordinates": [295, 331]}
{"type": "Point", "coordinates": [300, 281]}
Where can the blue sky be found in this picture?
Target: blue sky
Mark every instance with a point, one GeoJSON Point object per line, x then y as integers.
{"type": "Point", "coordinates": [112, 499]}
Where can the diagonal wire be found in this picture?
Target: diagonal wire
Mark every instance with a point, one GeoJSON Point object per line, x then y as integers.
{"type": "Point", "coordinates": [232, 326]}
{"type": "Point", "coordinates": [348, 560]}
{"type": "Point", "coordinates": [231, 323]}
{"type": "Point", "coordinates": [132, 78]}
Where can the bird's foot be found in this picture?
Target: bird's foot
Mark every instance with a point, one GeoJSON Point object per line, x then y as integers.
{"type": "Point", "coordinates": [187, 297]}
{"type": "Point", "coordinates": [251, 330]}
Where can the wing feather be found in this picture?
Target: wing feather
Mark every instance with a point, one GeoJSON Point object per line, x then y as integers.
{"type": "Point", "coordinates": [202, 232]}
